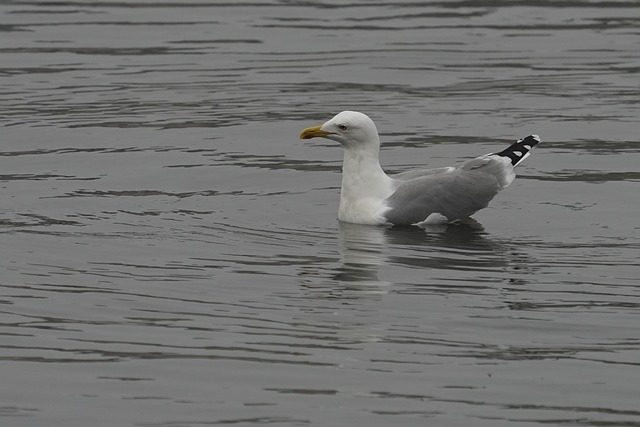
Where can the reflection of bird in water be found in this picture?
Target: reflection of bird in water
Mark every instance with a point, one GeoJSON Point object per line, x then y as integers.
{"type": "Point", "coordinates": [360, 249]}
{"type": "Point", "coordinates": [424, 197]}
{"type": "Point", "coordinates": [456, 258]}
{"type": "Point", "coordinates": [464, 233]}
{"type": "Point", "coordinates": [463, 246]}
{"type": "Point", "coordinates": [365, 249]}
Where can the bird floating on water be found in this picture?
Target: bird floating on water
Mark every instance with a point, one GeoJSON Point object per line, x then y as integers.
{"type": "Point", "coordinates": [422, 197]}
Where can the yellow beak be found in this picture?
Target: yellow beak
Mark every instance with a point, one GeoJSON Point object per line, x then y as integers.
{"type": "Point", "coordinates": [313, 132]}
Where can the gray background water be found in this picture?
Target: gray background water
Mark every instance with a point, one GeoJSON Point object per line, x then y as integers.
{"type": "Point", "coordinates": [170, 250]}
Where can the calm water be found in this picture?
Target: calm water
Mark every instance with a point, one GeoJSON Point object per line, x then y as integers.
{"type": "Point", "coordinates": [170, 250]}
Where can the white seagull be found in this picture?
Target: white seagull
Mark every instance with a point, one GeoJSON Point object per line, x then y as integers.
{"type": "Point", "coordinates": [422, 197]}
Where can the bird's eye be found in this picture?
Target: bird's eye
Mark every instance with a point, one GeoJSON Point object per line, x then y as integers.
{"type": "Point", "coordinates": [343, 127]}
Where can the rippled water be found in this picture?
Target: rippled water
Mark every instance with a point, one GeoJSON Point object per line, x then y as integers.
{"type": "Point", "coordinates": [170, 253]}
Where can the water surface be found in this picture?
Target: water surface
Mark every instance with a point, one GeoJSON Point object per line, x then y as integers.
{"type": "Point", "coordinates": [170, 250]}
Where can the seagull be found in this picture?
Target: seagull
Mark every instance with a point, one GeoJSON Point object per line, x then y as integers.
{"type": "Point", "coordinates": [421, 198]}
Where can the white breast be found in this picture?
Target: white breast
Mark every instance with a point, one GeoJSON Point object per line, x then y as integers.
{"type": "Point", "coordinates": [362, 197]}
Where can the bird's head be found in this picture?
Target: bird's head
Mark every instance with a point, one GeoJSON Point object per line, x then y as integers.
{"type": "Point", "coordinates": [350, 128]}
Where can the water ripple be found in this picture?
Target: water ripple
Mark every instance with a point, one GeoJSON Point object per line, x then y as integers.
{"type": "Point", "coordinates": [171, 254]}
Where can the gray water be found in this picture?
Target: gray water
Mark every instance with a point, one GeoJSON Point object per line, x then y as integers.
{"type": "Point", "coordinates": [170, 250]}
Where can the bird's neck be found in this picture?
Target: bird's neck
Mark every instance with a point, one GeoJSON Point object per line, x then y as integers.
{"type": "Point", "coordinates": [362, 173]}
{"type": "Point", "coordinates": [364, 186]}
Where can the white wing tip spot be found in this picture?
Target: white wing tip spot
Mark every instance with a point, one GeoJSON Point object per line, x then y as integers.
{"type": "Point", "coordinates": [434, 218]}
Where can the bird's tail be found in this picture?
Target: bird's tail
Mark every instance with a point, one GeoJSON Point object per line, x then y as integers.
{"type": "Point", "coordinates": [519, 150]}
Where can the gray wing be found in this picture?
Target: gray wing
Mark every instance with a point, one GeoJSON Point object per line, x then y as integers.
{"type": "Point", "coordinates": [405, 176]}
{"type": "Point", "coordinates": [455, 193]}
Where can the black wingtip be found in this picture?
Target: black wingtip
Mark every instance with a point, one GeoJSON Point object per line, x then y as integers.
{"type": "Point", "coordinates": [533, 139]}
{"type": "Point", "coordinates": [519, 150]}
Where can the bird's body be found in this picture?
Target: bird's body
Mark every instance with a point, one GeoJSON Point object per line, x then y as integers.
{"type": "Point", "coordinates": [422, 197]}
